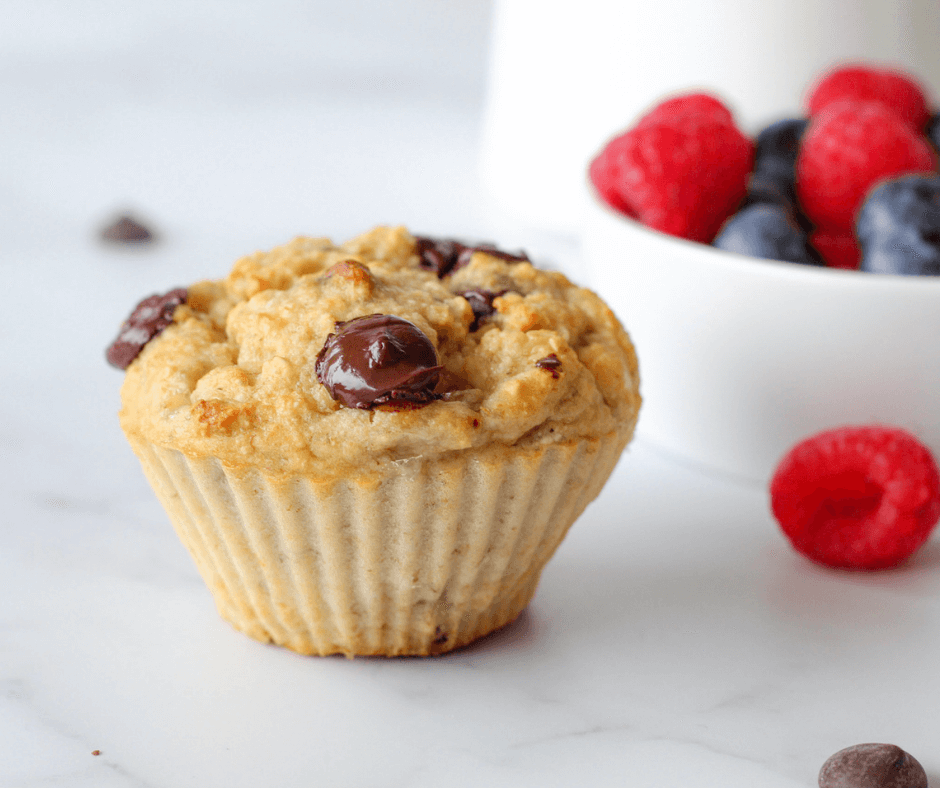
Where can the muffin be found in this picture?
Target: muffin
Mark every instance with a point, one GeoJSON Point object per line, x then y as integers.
{"type": "Point", "coordinates": [374, 448]}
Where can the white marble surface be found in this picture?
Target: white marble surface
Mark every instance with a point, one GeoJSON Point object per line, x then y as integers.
{"type": "Point", "coordinates": [675, 639]}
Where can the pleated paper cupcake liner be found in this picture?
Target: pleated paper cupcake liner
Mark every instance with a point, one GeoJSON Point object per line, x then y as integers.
{"type": "Point", "coordinates": [422, 557]}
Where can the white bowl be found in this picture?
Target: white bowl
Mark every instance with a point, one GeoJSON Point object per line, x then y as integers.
{"type": "Point", "coordinates": [740, 358]}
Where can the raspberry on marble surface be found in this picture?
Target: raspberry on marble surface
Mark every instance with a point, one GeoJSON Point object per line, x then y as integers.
{"type": "Point", "coordinates": [857, 497]}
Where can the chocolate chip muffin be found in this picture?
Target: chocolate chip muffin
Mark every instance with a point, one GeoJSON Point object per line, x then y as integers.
{"type": "Point", "coordinates": [374, 448]}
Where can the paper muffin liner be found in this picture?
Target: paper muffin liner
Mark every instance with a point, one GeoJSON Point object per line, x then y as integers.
{"type": "Point", "coordinates": [419, 557]}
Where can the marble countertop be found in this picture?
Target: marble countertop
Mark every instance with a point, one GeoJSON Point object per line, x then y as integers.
{"type": "Point", "coordinates": [675, 639]}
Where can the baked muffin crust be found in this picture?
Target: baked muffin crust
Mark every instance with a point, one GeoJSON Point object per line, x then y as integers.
{"type": "Point", "coordinates": [234, 376]}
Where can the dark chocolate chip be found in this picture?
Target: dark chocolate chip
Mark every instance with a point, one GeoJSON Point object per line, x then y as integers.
{"type": "Point", "coordinates": [481, 302]}
{"type": "Point", "coordinates": [445, 255]}
{"type": "Point", "coordinates": [439, 254]}
{"type": "Point", "coordinates": [378, 360]}
{"type": "Point", "coordinates": [127, 230]}
{"type": "Point", "coordinates": [872, 766]}
{"type": "Point", "coordinates": [148, 319]}
{"type": "Point", "coordinates": [552, 363]}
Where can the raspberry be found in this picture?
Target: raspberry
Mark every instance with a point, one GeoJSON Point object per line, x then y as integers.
{"type": "Point", "coordinates": [682, 169]}
{"type": "Point", "coordinates": [688, 108]}
{"type": "Point", "coordinates": [604, 173]}
{"type": "Point", "coordinates": [848, 148]}
{"type": "Point", "coordinates": [857, 497]}
{"type": "Point", "coordinates": [837, 249]}
{"type": "Point", "coordinates": [899, 92]}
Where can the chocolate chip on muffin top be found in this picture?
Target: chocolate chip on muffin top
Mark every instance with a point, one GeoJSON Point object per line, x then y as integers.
{"type": "Point", "coordinates": [445, 255]}
{"type": "Point", "coordinates": [146, 321]}
{"type": "Point", "coordinates": [378, 359]}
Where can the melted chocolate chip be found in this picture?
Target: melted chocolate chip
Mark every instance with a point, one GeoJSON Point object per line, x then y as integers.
{"type": "Point", "coordinates": [481, 302]}
{"type": "Point", "coordinates": [552, 363]}
{"type": "Point", "coordinates": [126, 230]}
{"type": "Point", "coordinates": [445, 255]}
{"type": "Point", "coordinates": [148, 319]}
{"type": "Point", "coordinates": [376, 360]}
{"type": "Point", "coordinates": [872, 766]}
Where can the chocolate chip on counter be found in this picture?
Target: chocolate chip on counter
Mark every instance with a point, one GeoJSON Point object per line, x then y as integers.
{"type": "Point", "coordinates": [481, 302]}
{"type": "Point", "coordinates": [148, 319]}
{"type": "Point", "coordinates": [126, 230]}
{"type": "Point", "coordinates": [552, 363]}
{"type": "Point", "coordinates": [377, 360]}
{"type": "Point", "coordinates": [872, 766]}
{"type": "Point", "coordinates": [445, 255]}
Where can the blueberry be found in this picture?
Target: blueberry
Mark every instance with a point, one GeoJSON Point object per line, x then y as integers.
{"type": "Point", "coordinates": [898, 227]}
{"type": "Point", "coordinates": [933, 131]}
{"type": "Point", "coordinates": [781, 140]}
{"type": "Point", "coordinates": [773, 177]}
{"type": "Point", "coordinates": [772, 180]}
{"type": "Point", "coordinates": [769, 231]}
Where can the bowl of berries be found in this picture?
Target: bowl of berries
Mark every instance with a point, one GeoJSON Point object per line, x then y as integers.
{"type": "Point", "coordinates": [777, 284]}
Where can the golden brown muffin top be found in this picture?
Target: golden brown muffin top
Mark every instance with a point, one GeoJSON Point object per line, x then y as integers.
{"type": "Point", "coordinates": [234, 376]}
